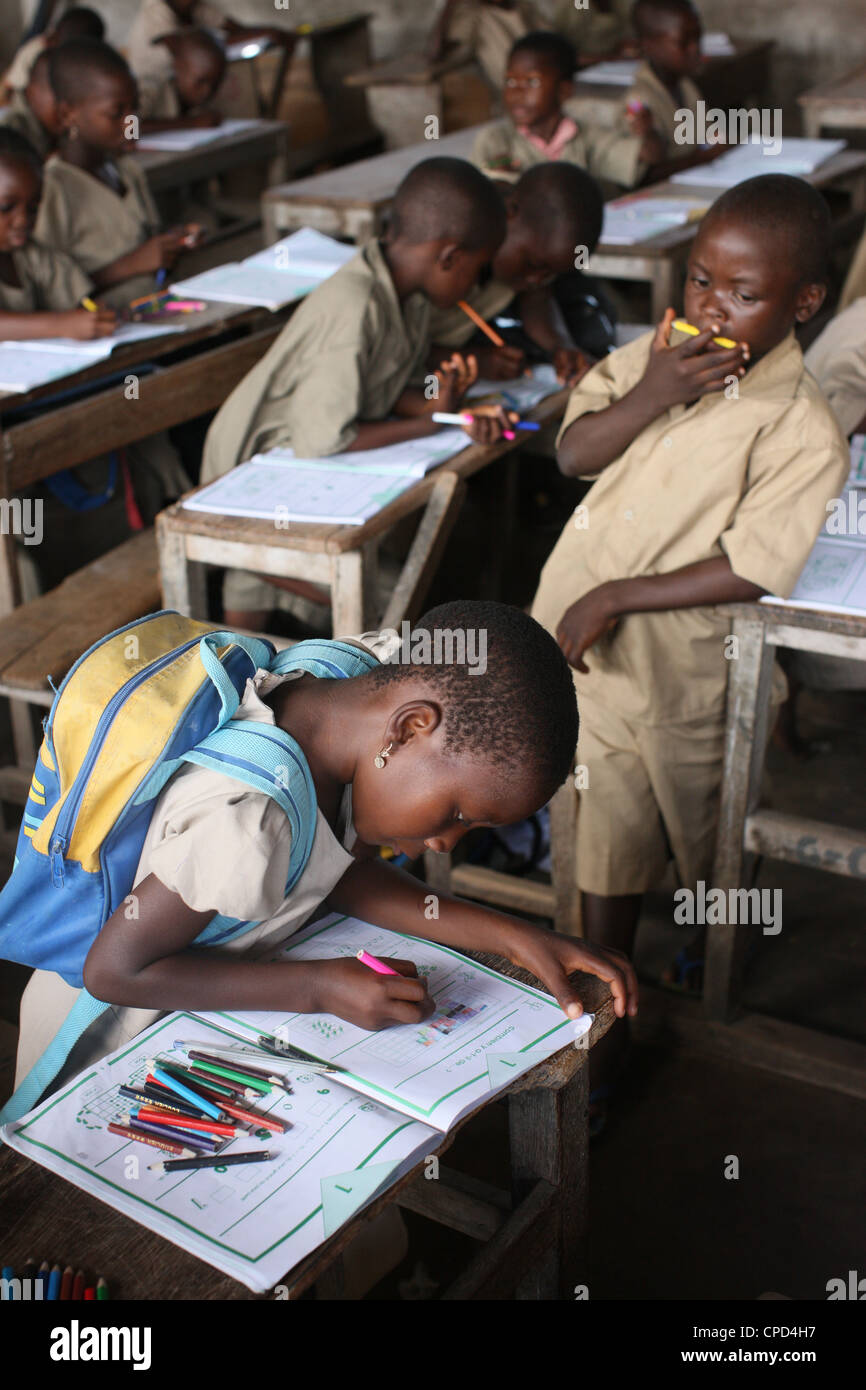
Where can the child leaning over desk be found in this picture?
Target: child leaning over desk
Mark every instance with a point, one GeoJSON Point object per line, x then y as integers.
{"type": "Point", "coordinates": [714, 465]}
{"type": "Point", "coordinates": [33, 111]}
{"type": "Point", "coordinates": [179, 100]}
{"type": "Point", "coordinates": [351, 355]}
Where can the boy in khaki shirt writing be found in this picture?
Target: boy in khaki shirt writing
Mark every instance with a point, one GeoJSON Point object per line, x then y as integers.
{"type": "Point", "coordinates": [715, 464]}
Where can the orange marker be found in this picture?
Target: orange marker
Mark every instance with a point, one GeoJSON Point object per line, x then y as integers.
{"type": "Point", "coordinates": [479, 323]}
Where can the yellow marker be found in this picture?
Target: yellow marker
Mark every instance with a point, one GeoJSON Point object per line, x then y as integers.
{"type": "Point", "coordinates": [87, 303]}
{"type": "Point", "coordinates": [690, 329]}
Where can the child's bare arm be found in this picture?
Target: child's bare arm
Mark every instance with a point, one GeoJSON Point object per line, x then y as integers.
{"type": "Point", "coordinates": [83, 324]}
{"type": "Point", "coordinates": [543, 321]}
{"type": "Point", "coordinates": [692, 586]}
{"type": "Point", "coordinates": [388, 897]}
{"type": "Point", "coordinates": [147, 963]}
{"type": "Point", "coordinates": [673, 376]}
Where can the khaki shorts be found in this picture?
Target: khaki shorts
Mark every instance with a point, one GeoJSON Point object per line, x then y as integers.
{"type": "Point", "coordinates": [652, 795]}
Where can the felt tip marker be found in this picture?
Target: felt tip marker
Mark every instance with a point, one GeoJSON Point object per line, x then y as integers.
{"type": "Point", "coordinates": [88, 303]}
{"type": "Point", "coordinates": [176, 1165]}
{"type": "Point", "coordinates": [373, 963]}
{"type": "Point", "coordinates": [693, 332]}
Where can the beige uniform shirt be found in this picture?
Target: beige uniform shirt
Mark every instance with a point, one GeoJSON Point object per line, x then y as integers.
{"type": "Point", "coordinates": [84, 217]}
{"type": "Point", "coordinates": [17, 75]}
{"type": "Point", "coordinates": [490, 33]}
{"type": "Point", "coordinates": [19, 115]}
{"type": "Point", "coordinates": [155, 18]}
{"type": "Point", "coordinates": [345, 356]}
{"type": "Point", "coordinates": [593, 31]}
{"type": "Point", "coordinates": [747, 478]}
{"type": "Point", "coordinates": [452, 328]}
{"type": "Point", "coordinates": [158, 99]}
{"type": "Point", "coordinates": [650, 90]}
{"type": "Point", "coordinates": [837, 360]}
{"type": "Point", "coordinates": [855, 281]}
{"type": "Point", "coordinates": [50, 282]}
{"type": "Point", "coordinates": [218, 844]}
{"type": "Point", "coordinates": [608, 154]}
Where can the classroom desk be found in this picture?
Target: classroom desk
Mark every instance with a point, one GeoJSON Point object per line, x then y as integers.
{"type": "Point", "coordinates": [660, 261]}
{"type": "Point", "coordinates": [840, 104]}
{"type": "Point", "coordinates": [404, 92]}
{"type": "Point", "coordinates": [533, 1238]}
{"type": "Point", "coordinates": [167, 170]}
{"type": "Point", "coordinates": [728, 80]}
{"type": "Point", "coordinates": [195, 370]}
{"type": "Point", "coordinates": [747, 830]}
{"type": "Point", "coordinates": [342, 557]}
{"type": "Point", "coordinates": [351, 202]}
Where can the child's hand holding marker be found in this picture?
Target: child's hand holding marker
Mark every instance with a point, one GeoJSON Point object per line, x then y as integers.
{"type": "Point", "coordinates": [501, 363]}
{"type": "Point", "coordinates": [92, 320]}
{"type": "Point", "coordinates": [702, 363]}
{"type": "Point", "coordinates": [570, 365]}
{"type": "Point", "coordinates": [366, 996]}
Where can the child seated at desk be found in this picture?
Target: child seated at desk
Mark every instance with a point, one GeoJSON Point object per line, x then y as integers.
{"type": "Point", "coordinates": [40, 290]}
{"type": "Point", "coordinates": [77, 23]}
{"type": "Point", "coordinates": [552, 209]}
{"type": "Point", "coordinates": [537, 128]}
{"type": "Point", "coordinates": [669, 35]}
{"type": "Point", "coordinates": [715, 466]}
{"type": "Point", "coordinates": [180, 100]}
{"type": "Point", "coordinates": [484, 30]}
{"type": "Point", "coordinates": [33, 111]}
{"type": "Point", "coordinates": [96, 203]}
{"type": "Point", "coordinates": [150, 59]}
{"type": "Point", "coordinates": [349, 356]}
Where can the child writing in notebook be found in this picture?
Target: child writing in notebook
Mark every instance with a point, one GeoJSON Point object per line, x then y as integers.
{"type": "Point", "coordinates": [552, 209]}
{"type": "Point", "coordinates": [350, 356]}
{"type": "Point", "coordinates": [180, 100]}
{"type": "Point", "coordinates": [536, 128]}
{"type": "Point", "coordinates": [96, 203]}
{"type": "Point", "coordinates": [405, 755]}
{"type": "Point", "coordinates": [33, 111]}
{"type": "Point", "coordinates": [41, 290]}
{"type": "Point", "coordinates": [714, 464]}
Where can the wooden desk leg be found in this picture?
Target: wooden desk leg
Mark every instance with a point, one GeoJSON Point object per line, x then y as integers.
{"type": "Point", "coordinates": [347, 593]}
{"type": "Point", "coordinates": [425, 552]}
{"type": "Point", "coordinates": [563, 856]}
{"type": "Point", "coordinates": [665, 284]}
{"type": "Point", "coordinates": [811, 118]}
{"type": "Point", "coordinates": [550, 1140]}
{"type": "Point", "coordinates": [749, 682]}
{"type": "Point", "coordinates": [182, 580]}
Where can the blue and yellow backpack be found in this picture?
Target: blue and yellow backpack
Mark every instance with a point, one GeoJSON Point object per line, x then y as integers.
{"type": "Point", "coordinates": [143, 701]}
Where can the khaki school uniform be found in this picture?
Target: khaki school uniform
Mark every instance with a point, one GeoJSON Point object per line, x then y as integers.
{"type": "Point", "coordinates": [81, 215]}
{"type": "Point", "coordinates": [155, 18]}
{"type": "Point", "coordinates": [503, 152]}
{"type": "Point", "coordinates": [855, 281]}
{"type": "Point", "coordinates": [837, 360]}
{"type": "Point", "coordinates": [747, 478]}
{"type": "Point", "coordinates": [158, 99]}
{"type": "Point", "coordinates": [17, 75]}
{"type": "Point", "coordinates": [594, 32]}
{"type": "Point", "coordinates": [346, 355]}
{"type": "Point", "coordinates": [50, 282]}
{"type": "Point", "coordinates": [490, 33]}
{"type": "Point", "coordinates": [650, 90]}
{"type": "Point", "coordinates": [19, 115]}
{"type": "Point", "coordinates": [454, 329]}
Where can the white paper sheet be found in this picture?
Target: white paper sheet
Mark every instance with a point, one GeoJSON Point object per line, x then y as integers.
{"type": "Point", "coordinates": [305, 252]}
{"type": "Point", "coordinates": [616, 72]}
{"type": "Point", "coordinates": [255, 1221]}
{"type": "Point", "coordinates": [238, 282]}
{"type": "Point", "coordinates": [179, 141]}
{"type": "Point", "coordinates": [414, 458]}
{"type": "Point", "coordinates": [35, 362]}
{"type": "Point", "coordinates": [797, 157]}
{"type": "Point", "coordinates": [296, 491]}
{"type": "Point", "coordinates": [626, 223]}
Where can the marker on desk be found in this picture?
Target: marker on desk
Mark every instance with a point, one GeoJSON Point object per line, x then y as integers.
{"type": "Point", "coordinates": [175, 1165]}
{"type": "Point", "coordinates": [373, 963]}
{"type": "Point", "coordinates": [447, 417]}
{"type": "Point", "coordinates": [693, 332]}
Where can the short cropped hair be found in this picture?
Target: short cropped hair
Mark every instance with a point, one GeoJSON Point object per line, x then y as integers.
{"type": "Point", "coordinates": [17, 149]}
{"type": "Point", "coordinates": [72, 64]}
{"type": "Point", "coordinates": [556, 197]}
{"type": "Point", "coordinates": [554, 50]}
{"type": "Point", "coordinates": [649, 17]}
{"type": "Point", "coordinates": [199, 41]}
{"type": "Point", "coordinates": [785, 208]}
{"type": "Point", "coordinates": [79, 22]}
{"type": "Point", "coordinates": [521, 713]}
{"type": "Point", "coordinates": [446, 198]}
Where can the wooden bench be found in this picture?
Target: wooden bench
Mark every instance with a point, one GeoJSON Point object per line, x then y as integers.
{"type": "Point", "coordinates": [45, 636]}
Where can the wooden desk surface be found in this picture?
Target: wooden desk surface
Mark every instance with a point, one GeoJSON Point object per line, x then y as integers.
{"type": "Point", "coordinates": [813, 619]}
{"type": "Point", "coordinates": [172, 169]}
{"type": "Point", "coordinates": [371, 182]}
{"type": "Point", "coordinates": [333, 538]}
{"type": "Point", "coordinates": [717, 70]}
{"type": "Point", "coordinates": [44, 1217]}
{"type": "Point", "coordinates": [849, 90]}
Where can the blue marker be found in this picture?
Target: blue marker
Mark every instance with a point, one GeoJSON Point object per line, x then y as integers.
{"type": "Point", "coordinates": [180, 1090]}
{"type": "Point", "coordinates": [527, 425]}
{"type": "Point", "coordinates": [161, 276]}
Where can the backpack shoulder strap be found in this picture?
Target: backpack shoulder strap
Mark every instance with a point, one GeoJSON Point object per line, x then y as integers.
{"type": "Point", "coordinates": [326, 658]}
{"type": "Point", "coordinates": [84, 1011]}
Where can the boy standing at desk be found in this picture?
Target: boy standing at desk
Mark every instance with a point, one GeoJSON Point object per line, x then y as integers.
{"type": "Point", "coordinates": [537, 129]}
{"type": "Point", "coordinates": [345, 360]}
{"type": "Point", "coordinates": [703, 498]}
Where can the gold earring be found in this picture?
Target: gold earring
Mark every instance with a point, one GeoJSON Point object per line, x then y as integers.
{"type": "Point", "coordinates": [72, 132]}
{"type": "Point", "coordinates": [379, 760]}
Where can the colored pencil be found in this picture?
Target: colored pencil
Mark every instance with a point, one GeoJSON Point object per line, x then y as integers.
{"type": "Point", "coordinates": [197, 1142]}
{"type": "Point", "coordinates": [229, 1159]}
{"type": "Point", "coordinates": [160, 1095]}
{"type": "Point", "coordinates": [252, 1117]}
{"type": "Point", "coordinates": [78, 1286]}
{"type": "Point", "coordinates": [276, 1048]}
{"type": "Point", "coordinates": [52, 1293]}
{"type": "Point", "coordinates": [43, 1274]}
{"type": "Point", "coordinates": [29, 1270]}
{"type": "Point", "coordinates": [188, 1075]}
{"type": "Point", "coordinates": [180, 1089]}
{"type": "Point", "coordinates": [8, 1273]}
{"type": "Point", "coordinates": [155, 1117]}
{"type": "Point", "coordinates": [127, 1132]}
{"type": "Point", "coordinates": [480, 323]}
{"type": "Point", "coordinates": [89, 1294]}
{"type": "Point", "coordinates": [224, 1073]}
{"type": "Point", "coordinates": [101, 1290]}
{"type": "Point", "coordinates": [258, 1073]}
{"type": "Point", "coordinates": [66, 1284]}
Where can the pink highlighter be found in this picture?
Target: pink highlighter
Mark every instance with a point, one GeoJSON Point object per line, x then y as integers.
{"type": "Point", "coordinates": [375, 964]}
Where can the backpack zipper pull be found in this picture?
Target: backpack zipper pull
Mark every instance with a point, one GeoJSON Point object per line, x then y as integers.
{"type": "Point", "coordinates": [55, 855]}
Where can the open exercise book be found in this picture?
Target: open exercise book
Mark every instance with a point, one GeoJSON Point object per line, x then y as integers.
{"type": "Point", "coordinates": [351, 1134]}
{"type": "Point", "coordinates": [180, 141]}
{"type": "Point", "coordinates": [281, 273]}
{"type": "Point", "coordinates": [630, 220]}
{"type": "Point", "coordinates": [834, 576]}
{"type": "Point", "coordinates": [349, 488]}
{"type": "Point", "coordinates": [797, 157]}
{"type": "Point", "coordinates": [36, 361]}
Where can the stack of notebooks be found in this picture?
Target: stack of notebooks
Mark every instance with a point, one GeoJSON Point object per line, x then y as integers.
{"type": "Point", "coordinates": [283, 272]}
{"type": "Point", "coordinates": [383, 1105]}
{"type": "Point", "coordinates": [349, 488]}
